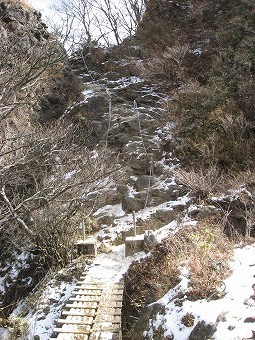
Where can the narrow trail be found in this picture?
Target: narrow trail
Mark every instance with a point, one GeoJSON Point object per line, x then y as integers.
{"type": "Point", "coordinates": [94, 310]}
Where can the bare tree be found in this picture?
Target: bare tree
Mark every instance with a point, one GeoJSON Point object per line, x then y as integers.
{"type": "Point", "coordinates": [105, 21]}
{"type": "Point", "coordinates": [47, 184]}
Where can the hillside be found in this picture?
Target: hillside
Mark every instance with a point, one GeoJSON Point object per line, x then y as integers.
{"type": "Point", "coordinates": [159, 129]}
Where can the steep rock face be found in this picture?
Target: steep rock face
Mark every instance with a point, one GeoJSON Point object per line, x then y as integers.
{"type": "Point", "coordinates": [35, 73]}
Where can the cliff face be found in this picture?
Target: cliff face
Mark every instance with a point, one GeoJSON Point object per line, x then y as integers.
{"type": "Point", "coordinates": [34, 71]}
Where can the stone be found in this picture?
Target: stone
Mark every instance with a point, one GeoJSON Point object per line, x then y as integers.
{"type": "Point", "coordinates": [150, 240]}
{"type": "Point", "coordinates": [160, 195]}
{"type": "Point", "coordinates": [202, 212]}
{"type": "Point", "coordinates": [105, 220]}
{"type": "Point", "coordinates": [143, 323]}
{"type": "Point", "coordinates": [98, 105]}
{"type": "Point", "coordinates": [141, 166]}
{"type": "Point", "coordinates": [105, 247]}
{"type": "Point", "coordinates": [222, 316]}
{"type": "Point", "coordinates": [165, 215]}
{"type": "Point", "coordinates": [144, 182]}
{"type": "Point", "coordinates": [37, 337]}
{"type": "Point", "coordinates": [203, 331]}
{"type": "Point", "coordinates": [130, 204]}
{"type": "Point", "coordinates": [250, 319]}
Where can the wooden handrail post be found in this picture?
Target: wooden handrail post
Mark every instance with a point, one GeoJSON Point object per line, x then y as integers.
{"type": "Point", "coordinates": [83, 230]}
{"type": "Point", "coordinates": [134, 221]}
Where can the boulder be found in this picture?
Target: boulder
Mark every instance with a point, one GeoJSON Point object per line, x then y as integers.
{"type": "Point", "coordinates": [130, 204]}
{"type": "Point", "coordinates": [203, 331]}
{"type": "Point", "coordinates": [166, 215]}
{"type": "Point", "coordinates": [144, 182]}
{"type": "Point", "coordinates": [202, 212]}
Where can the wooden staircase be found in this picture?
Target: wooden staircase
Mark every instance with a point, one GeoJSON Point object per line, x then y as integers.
{"type": "Point", "coordinates": [93, 312]}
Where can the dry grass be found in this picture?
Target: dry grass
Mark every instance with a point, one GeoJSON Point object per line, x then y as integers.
{"type": "Point", "coordinates": [168, 64]}
{"type": "Point", "coordinates": [203, 249]}
{"type": "Point", "coordinates": [238, 180]}
{"type": "Point", "coordinates": [202, 182]}
{"type": "Point", "coordinates": [208, 262]}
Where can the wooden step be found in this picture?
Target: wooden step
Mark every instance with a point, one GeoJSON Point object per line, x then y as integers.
{"type": "Point", "coordinates": [84, 305]}
{"type": "Point", "coordinates": [66, 336]}
{"type": "Point", "coordinates": [85, 291]}
{"type": "Point", "coordinates": [111, 318]}
{"type": "Point", "coordinates": [78, 313]}
{"type": "Point", "coordinates": [73, 305]}
{"type": "Point", "coordinates": [84, 299]}
{"type": "Point", "coordinates": [90, 287]}
{"type": "Point", "coordinates": [106, 329]}
{"type": "Point", "coordinates": [67, 331]}
{"type": "Point", "coordinates": [109, 311]}
{"type": "Point", "coordinates": [89, 321]}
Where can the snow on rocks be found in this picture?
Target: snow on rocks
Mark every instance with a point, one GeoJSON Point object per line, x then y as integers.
{"type": "Point", "coordinates": [125, 223]}
{"type": "Point", "coordinates": [48, 308]}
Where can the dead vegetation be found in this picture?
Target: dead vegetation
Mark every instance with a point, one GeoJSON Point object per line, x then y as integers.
{"type": "Point", "coordinates": [203, 249]}
{"type": "Point", "coordinates": [202, 182]}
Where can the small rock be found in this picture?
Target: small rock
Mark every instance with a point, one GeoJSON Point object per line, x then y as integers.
{"type": "Point", "coordinates": [203, 331]}
{"type": "Point", "coordinates": [203, 212]}
{"type": "Point", "coordinates": [144, 182]}
{"type": "Point", "coordinates": [250, 319]}
{"type": "Point", "coordinates": [36, 337]}
{"type": "Point", "coordinates": [105, 248]}
{"type": "Point", "coordinates": [222, 316]}
{"type": "Point", "coordinates": [130, 204]}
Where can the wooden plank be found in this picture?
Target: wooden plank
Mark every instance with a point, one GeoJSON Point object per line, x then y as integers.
{"type": "Point", "coordinates": [105, 335]}
{"type": "Point", "coordinates": [109, 313]}
{"type": "Point", "coordinates": [72, 331]}
{"type": "Point", "coordinates": [111, 318]}
{"type": "Point", "coordinates": [75, 322]}
{"type": "Point", "coordinates": [84, 292]}
{"type": "Point", "coordinates": [89, 305]}
{"type": "Point", "coordinates": [106, 329]}
{"type": "Point", "coordinates": [77, 313]}
{"type": "Point", "coordinates": [112, 298]}
{"type": "Point", "coordinates": [80, 284]}
{"type": "Point", "coordinates": [67, 336]}
{"type": "Point", "coordinates": [74, 305]}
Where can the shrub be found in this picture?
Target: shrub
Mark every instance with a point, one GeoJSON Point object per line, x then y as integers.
{"type": "Point", "coordinates": [201, 182]}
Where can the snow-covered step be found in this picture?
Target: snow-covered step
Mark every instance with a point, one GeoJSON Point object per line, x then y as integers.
{"type": "Point", "coordinates": [76, 321]}
{"type": "Point", "coordinates": [72, 331]}
{"type": "Point", "coordinates": [84, 291]}
{"type": "Point", "coordinates": [78, 312]}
